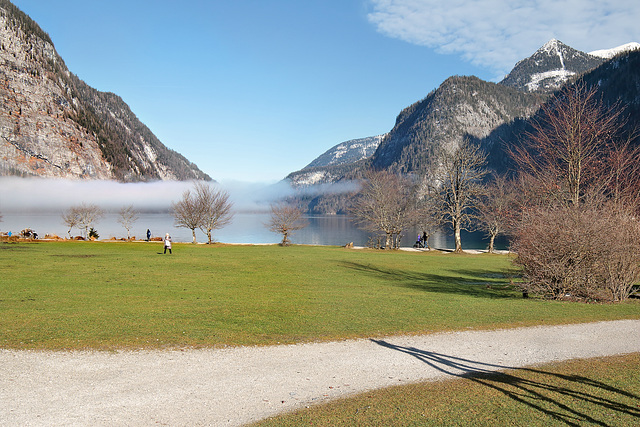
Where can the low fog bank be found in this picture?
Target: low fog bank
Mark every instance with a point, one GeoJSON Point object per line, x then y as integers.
{"type": "Point", "coordinates": [56, 195]}
{"type": "Point", "coordinates": [39, 195]}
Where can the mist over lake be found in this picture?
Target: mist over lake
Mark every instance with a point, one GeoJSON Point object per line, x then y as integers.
{"type": "Point", "coordinates": [39, 203]}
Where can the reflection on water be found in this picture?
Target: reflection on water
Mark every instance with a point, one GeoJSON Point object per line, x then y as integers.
{"type": "Point", "coordinates": [246, 228]}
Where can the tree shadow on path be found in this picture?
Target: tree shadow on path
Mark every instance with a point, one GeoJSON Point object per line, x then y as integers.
{"type": "Point", "coordinates": [562, 398]}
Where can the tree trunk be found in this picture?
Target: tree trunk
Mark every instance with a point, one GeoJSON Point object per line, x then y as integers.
{"type": "Point", "coordinates": [491, 240]}
{"type": "Point", "coordinates": [209, 236]}
{"type": "Point", "coordinates": [193, 232]}
{"type": "Point", "coordinates": [387, 245]}
{"type": "Point", "coordinates": [458, 239]}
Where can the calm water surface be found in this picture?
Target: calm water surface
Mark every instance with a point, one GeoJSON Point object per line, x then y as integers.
{"type": "Point", "coordinates": [245, 228]}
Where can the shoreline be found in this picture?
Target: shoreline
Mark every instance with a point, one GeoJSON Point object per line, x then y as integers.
{"type": "Point", "coordinates": [16, 239]}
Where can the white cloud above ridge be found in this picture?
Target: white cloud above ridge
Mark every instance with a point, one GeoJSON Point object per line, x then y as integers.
{"type": "Point", "coordinates": [496, 34]}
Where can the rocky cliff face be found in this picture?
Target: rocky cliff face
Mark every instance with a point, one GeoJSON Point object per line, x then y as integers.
{"type": "Point", "coordinates": [37, 135]}
{"type": "Point", "coordinates": [54, 125]}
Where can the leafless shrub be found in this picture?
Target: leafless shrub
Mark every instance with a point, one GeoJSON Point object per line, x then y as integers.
{"type": "Point", "coordinates": [590, 253]}
{"type": "Point", "coordinates": [205, 208]}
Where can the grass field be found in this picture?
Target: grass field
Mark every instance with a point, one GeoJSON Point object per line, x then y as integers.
{"type": "Point", "coordinates": [99, 295]}
{"type": "Point", "coordinates": [601, 391]}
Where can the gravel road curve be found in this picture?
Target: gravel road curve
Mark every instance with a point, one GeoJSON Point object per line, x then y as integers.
{"type": "Point", "coordinates": [234, 386]}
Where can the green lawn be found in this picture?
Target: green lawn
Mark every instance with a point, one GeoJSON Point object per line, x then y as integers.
{"type": "Point", "coordinates": [597, 392]}
{"type": "Point", "coordinates": [110, 295]}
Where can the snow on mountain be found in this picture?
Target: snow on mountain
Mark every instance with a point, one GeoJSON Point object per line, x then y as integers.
{"type": "Point", "coordinates": [333, 163]}
{"type": "Point", "coordinates": [550, 67]}
{"type": "Point", "coordinates": [347, 152]}
{"type": "Point", "coordinates": [610, 53]}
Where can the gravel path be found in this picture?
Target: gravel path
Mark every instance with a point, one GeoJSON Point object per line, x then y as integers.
{"type": "Point", "coordinates": [237, 385]}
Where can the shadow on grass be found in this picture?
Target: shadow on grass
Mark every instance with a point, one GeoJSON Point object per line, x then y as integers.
{"type": "Point", "coordinates": [561, 397]}
{"type": "Point", "coordinates": [478, 283]}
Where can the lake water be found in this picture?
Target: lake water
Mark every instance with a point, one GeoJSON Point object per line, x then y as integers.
{"type": "Point", "coordinates": [246, 228]}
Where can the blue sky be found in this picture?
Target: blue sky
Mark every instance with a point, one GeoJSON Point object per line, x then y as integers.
{"type": "Point", "coordinates": [251, 90]}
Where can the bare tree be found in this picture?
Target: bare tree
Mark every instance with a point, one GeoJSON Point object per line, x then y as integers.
{"type": "Point", "coordinates": [88, 215]}
{"type": "Point", "coordinates": [495, 209]}
{"type": "Point", "coordinates": [128, 216]}
{"type": "Point", "coordinates": [216, 208]}
{"type": "Point", "coordinates": [285, 219]}
{"type": "Point", "coordinates": [384, 204]}
{"type": "Point", "coordinates": [71, 219]}
{"type": "Point", "coordinates": [459, 173]}
{"type": "Point", "coordinates": [564, 153]}
{"type": "Point", "coordinates": [188, 212]}
{"type": "Point", "coordinates": [83, 216]}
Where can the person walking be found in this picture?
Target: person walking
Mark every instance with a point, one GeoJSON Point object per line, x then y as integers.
{"type": "Point", "coordinates": [167, 243]}
{"type": "Point", "coordinates": [148, 234]}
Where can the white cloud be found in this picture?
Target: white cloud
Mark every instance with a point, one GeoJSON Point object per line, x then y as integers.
{"type": "Point", "coordinates": [495, 34]}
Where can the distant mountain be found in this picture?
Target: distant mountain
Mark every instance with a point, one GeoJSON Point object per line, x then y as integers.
{"type": "Point", "coordinates": [53, 124]}
{"type": "Point", "coordinates": [550, 67]}
{"type": "Point", "coordinates": [333, 161]}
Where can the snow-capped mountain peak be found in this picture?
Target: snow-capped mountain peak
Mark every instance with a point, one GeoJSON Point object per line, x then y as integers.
{"type": "Point", "coordinates": [550, 67]}
{"type": "Point", "coordinates": [610, 53]}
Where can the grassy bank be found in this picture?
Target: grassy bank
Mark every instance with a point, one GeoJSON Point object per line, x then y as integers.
{"type": "Point", "coordinates": [70, 295]}
{"type": "Point", "coordinates": [602, 391]}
